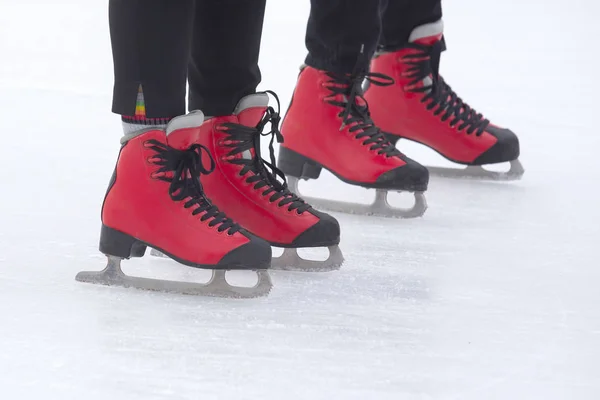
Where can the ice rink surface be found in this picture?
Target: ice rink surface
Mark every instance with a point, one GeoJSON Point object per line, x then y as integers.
{"type": "Point", "coordinates": [493, 294]}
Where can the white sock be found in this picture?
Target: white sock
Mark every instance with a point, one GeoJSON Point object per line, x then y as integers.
{"type": "Point", "coordinates": [129, 128]}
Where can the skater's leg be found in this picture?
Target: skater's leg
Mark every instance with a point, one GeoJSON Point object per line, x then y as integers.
{"type": "Point", "coordinates": [338, 29]}
{"type": "Point", "coordinates": [224, 54]}
{"type": "Point", "coordinates": [150, 44]}
{"type": "Point", "coordinates": [402, 16]}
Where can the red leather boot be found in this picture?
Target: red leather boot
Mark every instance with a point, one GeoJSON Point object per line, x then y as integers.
{"type": "Point", "coordinates": [246, 187]}
{"type": "Point", "coordinates": [422, 107]}
{"type": "Point", "coordinates": [155, 199]}
{"type": "Point", "coordinates": [328, 126]}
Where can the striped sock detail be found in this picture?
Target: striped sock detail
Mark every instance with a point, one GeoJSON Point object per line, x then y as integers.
{"type": "Point", "coordinates": [131, 127]}
{"type": "Point", "coordinates": [134, 119]}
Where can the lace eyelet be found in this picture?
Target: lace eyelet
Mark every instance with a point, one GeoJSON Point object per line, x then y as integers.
{"type": "Point", "coordinates": [149, 160]}
{"type": "Point", "coordinates": [287, 209]}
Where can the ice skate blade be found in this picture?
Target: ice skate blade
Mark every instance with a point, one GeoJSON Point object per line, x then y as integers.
{"type": "Point", "coordinates": [515, 172]}
{"type": "Point", "coordinates": [157, 253]}
{"type": "Point", "coordinates": [113, 275]}
{"type": "Point", "coordinates": [380, 207]}
{"type": "Point", "coordinates": [290, 260]}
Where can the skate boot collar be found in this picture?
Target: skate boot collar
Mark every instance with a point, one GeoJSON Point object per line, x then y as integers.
{"type": "Point", "coordinates": [427, 34]}
{"type": "Point", "coordinates": [252, 100]}
{"type": "Point", "coordinates": [192, 120]}
{"type": "Point", "coordinates": [251, 109]}
{"type": "Point", "coordinates": [184, 131]}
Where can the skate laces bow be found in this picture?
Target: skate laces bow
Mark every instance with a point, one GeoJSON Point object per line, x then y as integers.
{"type": "Point", "coordinates": [355, 111]}
{"type": "Point", "coordinates": [182, 169]}
{"type": "Point", "coordinates": [243, 139]}
{"type": "Point", "coordinates": [424, 64]}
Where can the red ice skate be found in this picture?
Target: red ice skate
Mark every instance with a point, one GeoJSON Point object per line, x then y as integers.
{"type": "Point", "coordinates": [420, 106]}
{"type": "Point", "coordinates": [155, 199]}
{"type": "Point", "coordinates": [246, 186]}
{"type": "Point", "coordinates": [328, 126]}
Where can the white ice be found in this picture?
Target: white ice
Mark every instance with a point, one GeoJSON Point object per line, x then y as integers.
{"type": "Point", "coordinates": [493, 294]}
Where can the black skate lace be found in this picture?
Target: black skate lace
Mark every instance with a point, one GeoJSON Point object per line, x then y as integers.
{"type": "Point", "coordinates": [186, 166]}
{"type": "Point", "coordinates": [425, 62]}
{"type": "Point", "coordinates": [350, 87]}
{"type": "Point", "coordinates": [244, 138]}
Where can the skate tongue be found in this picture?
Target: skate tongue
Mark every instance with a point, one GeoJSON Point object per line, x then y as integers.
{"type": "Point", "coordinates": [183, 131]}
{"type": "Point", "coordinates": [250, 110]}
{"type": "Point", "coordinates": [427, 34]}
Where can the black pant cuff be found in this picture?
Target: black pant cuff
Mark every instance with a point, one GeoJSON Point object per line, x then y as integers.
{"type": "Point", "coordinates": [160, 102]}
{"type": "Point", "coordinates": [334, 64]}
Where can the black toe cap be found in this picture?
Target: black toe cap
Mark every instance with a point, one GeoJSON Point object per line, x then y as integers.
{"type": "Point", "coordinates": [255, 254]}
{"type": "Point", "coordinates": [326, 232]}
{"type": "Point", "coordinates": [410, 177]}
{"type": "Point", "coordinates": [505, 149]}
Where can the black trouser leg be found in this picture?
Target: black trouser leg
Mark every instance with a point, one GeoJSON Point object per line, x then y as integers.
{"type": "Point", "coordinates": [336, 31]}
{"type": "Point", "coordinates": [150, 43]}
{"type": "Point", "coordinates": [402, 16]}
{"type": "Point", "coordinates": [224, 55]}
